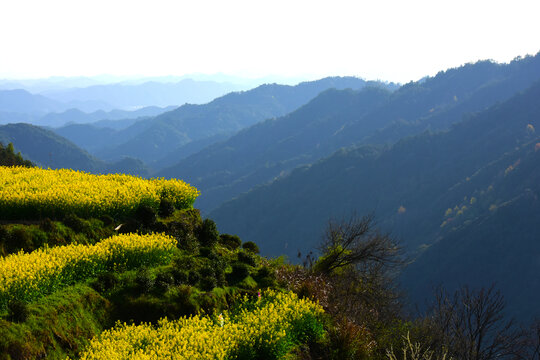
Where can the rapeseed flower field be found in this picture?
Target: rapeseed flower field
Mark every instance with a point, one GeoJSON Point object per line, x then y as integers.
{"type": "Point", "coordinates": [270, 326]}
{"type": "Point", "coordinates": [34, 193]}
{"type": "Point", "coordinates": [28, 276]}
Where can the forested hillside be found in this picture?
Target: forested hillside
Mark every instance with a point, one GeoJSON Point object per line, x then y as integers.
{"type": "Point", "coordinates": [337, 119]}
{"type": "Point", "coordinates": [8, 157]}
{"type": "Point", "coordinates": [423, 189]}
{"type": "Point", "coordinates": [155, 138]}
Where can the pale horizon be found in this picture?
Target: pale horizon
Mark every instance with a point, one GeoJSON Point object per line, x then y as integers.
{"type": "Point", "coordinates": [303, 40]}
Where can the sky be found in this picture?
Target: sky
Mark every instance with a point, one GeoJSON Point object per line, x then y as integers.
{"type": "Point", "coordinates": [387, 40]}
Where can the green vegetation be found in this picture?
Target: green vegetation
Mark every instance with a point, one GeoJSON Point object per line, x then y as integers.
{"type": "Point", "coordinates": [9, 158]}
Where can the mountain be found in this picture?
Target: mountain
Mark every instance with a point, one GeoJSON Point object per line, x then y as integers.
{"type": "Point", "coordinates": [151, 93]}
{"type": "Point", "coordinates": [497, 243]}
{"type": "Point", "coordinates": [263, 151]}
{"type": "Point", "coordinates": [47, 149]}
{"type": "Point", "coordinates": [76, 116]}
{"type": "Point", "coordinates": [225, 115]}
{"type": "Point", "coordinates": [21, 101]}
{"type": "Point", "coordinates": [266, 151]}
{"type": "Point", "coordinates": [474, 185]}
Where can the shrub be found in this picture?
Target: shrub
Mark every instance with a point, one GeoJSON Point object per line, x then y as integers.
{"type": "Point", "coordinates": [17, 311]}
{"type": "Point", "coordinates": [75, 222]}
{"type": "Point", "coordinates": [184, 262]}
{"type": "Point", "coordinates": [232, 242]}
{"type": "Point", "coordinates": [166, 208]}
{"type": "Point", "coordinates": [182, 296]}
{"type": "Point", "coordinates": [193, 277]}
{"type": "Point", "coordinates": [19, 238]}
{"type": "Point", "coordinates": [208, 253]}
{"type": "Point", "coordinates": [347, 340]}
{"type": "Point", "coordinates": [240, 271]}
{"type": "Point", "coordinates": [159, 227]}
{"type": "Point", "coordinates": [219, 266]}
{"type": "Point", "coordinates": [146, 215]}
{"type": "Point", "coordinates": [144, 280]}
{"type": "Point", "coordinates": [265, 277]}
{"type": "Point", "coordinates": [247, 258]}
{"type": "Point", "coordinates": [208, 233]}
{"type": "Point", "coordinates": [208, 283]}
{"type": "Point", "coordinates": [251, 246]}
{"type": "Point", "coordinates": [106, 281]}
{"type": "Point", "coordinates": [106, 219]}
{"type": "Point", "coordinates": [180, 276]}
{"type": "Point", "coordinates": [207, 271]}
{"type": "Point", "coordinates": [47, 225]}
{"type": "Point", "coordinates": [164, 280]}
{"type": "Point", "coordinates": [183, 232]}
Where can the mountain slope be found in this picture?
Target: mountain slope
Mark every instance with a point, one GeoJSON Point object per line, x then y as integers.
{"type": "Point", "coordinates": [415, 173]}
{"type": "Point", "coordinates": [47, 149]}
{"type": "Point", "coordinates": [263, 151]}
{"type": "Point", "coordinates": [495, 241]}
{"type": "Point", "coordinates": [224, 115]}
{"type": "Point", "coordinates": [270, 149]}
{"type": "Point", "coordinates": [421, 190]}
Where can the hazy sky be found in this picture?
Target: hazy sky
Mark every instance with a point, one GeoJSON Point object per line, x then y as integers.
{"type": "Point", "coordinates": [375, 39]}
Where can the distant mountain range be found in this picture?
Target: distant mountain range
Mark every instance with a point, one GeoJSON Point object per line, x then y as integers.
{"type": "Point", "coordinates": [152, 93]}
{"type": "Point", "coordinates": [269, 150]}
{"type": "Point", "coordinates": [17, 103]}
{"type": "Point", "coordinates": [21, 101]}
{"type": "Point", "coordinates": [163, 139]}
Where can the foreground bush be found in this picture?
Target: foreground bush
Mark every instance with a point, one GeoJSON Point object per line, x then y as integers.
{"type": "Point", "coordinates": [35, 193]}
{"type": "Point", "coordinates": [26, 277]}
{"type": "Point", "coordinates": [267, 328]}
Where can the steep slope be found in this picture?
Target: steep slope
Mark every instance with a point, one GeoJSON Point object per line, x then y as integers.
{"type": "Point", "coordinates": [421, 190]}
{"type": "Point", "coordinates": [46, 149]}
{"type": "Point", "coordinates": [263, 151]}
{"type": "Point", "coordinates": [470, 196]}
{"type": "Point", "coordinates": [268, 150]}
{"type": "Point", "coordinates": [494, 240]}
{"type": "Point", "coordinates": [416, 173]}
{"type": "Point", "coordinates": [224, 115]}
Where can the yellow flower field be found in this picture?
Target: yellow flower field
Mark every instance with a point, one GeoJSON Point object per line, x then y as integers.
{"type": "Point", "coordinates": [275, 322]}
{"type": "Point", "coordinates": [28, 276]}
{"type": "Point", "coordinates": [35, 192]}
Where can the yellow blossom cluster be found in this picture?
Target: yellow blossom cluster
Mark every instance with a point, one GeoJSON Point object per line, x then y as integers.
{"type": "Point", "coordinates": [35, 192]}
{"type": "Point", "coordinates": [28, 276]}
{"type": "Point", "coordinates": [258, 327]}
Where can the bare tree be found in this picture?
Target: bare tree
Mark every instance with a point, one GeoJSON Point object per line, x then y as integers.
{"type": "Point", "coordinates": [355, 242]}
{"type": "Point", "coordinates": [472, 325]}
{"type": "Point", "coordinates": [360, 263]}
{"type": "Point", "coordinates": [531, 342]}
